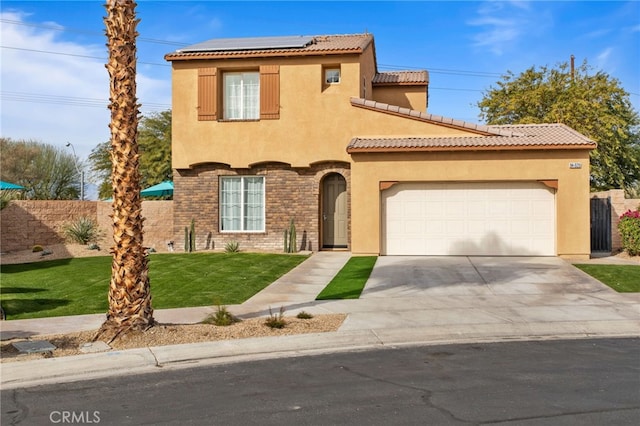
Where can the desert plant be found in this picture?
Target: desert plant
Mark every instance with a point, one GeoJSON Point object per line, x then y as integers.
{"type": "Point", "coordinates": [629, 227]}
{"type": "Point", "coordinates": [290, 238]}
{"type": "Point", "coordinates": [232, 247]}
{"type": "Point", "coordinates": [82, 230]}
{"type": "Point", "coordinates": [37, 248]}
{"type": "Point", "coordinates": [192, 236]}
{"type": "Point", "coordinates": [276, 320]}
{"type": "Point", "coordinates": [304, 315]}
{"type": "Point", "coordinates": [7, 195]}
{"type": "Point", "coordinates": [222, 317]}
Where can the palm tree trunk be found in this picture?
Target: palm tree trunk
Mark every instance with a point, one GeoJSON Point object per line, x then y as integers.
{"type": "Point", "coordinates": [129, 291]}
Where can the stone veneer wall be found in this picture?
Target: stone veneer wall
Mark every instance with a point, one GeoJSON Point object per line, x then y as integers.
{"type": "Point", "coordinates": [25, 223]}
{"type": "Point", "coordinates": [290, 193]}
{"type": "Point", "coordinates": [619, 205]}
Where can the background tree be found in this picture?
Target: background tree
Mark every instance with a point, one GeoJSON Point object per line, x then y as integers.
{"type": "Point", "coordinates": [129, 290]}
{"type": "Point", "coordinates": [48, 172]}
{"type": "Point", "coordinates": [154, 144]}
{"type": "Point", "coordinates": [593, 103]}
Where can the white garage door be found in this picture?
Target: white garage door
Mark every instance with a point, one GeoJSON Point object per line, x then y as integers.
{"type": "Point", "coordinates": [490, 218]}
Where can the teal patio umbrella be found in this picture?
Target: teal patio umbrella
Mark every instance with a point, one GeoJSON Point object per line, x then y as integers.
{"type": "Point", "coordinates": [9, 185]}
{"type": "Point", "coordinates": [162, 189]}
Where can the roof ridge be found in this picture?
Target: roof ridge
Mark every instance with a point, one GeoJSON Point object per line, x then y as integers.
{"type": "Point", "coordinates": [438, 119]}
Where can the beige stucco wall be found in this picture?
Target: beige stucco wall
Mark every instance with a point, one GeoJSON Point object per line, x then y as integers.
{"type": "Point", "coordinates": [572, 196]}
{"type": "Point", "coordinates": [316, 121]}
{"type": "Point", "coordinates": [413, 97]}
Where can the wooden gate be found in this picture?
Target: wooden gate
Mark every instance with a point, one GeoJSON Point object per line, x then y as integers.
{"type": "Point", "coordinates": [601, 224]}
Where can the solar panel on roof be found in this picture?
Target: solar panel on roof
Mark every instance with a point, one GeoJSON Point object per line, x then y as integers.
{"type": "Point", "coordinates": [255, 43]}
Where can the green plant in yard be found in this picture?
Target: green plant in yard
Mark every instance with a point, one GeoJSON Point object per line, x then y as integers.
{"type": "Point", "coordinates": [232, 247]}
{"type": "Point", "coordinates": [290, 244]}
{"type": "Point", "coordinates": [81, 230]}
{"type": "Point", "coordinates": [621, 278]}
{"type": "Point", "coordinates": [222, 317]}
{"type": "Point", "coordinates": [192, 236]}
{"type": "Point", "coordinates": [37, 248]}
{"type": "Point", "coordinates": [6, 195]}
{"type": "Point", "coordinates": [350, 281]}
{"type": "Point", "coordinates": [76, 286]}
{"type": "Point", "coordinates": [276, 320]}
{"type": "Point", "coordinates": [304, 315]}
{"type": "Point", "coordinates": [629, 227]}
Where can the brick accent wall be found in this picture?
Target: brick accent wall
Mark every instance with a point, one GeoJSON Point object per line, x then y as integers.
{"type": "Point", "coordinates": [619, 205]}
{"type": "Point", "coordinates": [25, 223]}
{"type": "Point", "coordinates": [290, 193]}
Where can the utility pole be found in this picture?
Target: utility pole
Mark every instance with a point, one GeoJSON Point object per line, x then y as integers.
{"type": "Point", "coordinates": [80, 172]}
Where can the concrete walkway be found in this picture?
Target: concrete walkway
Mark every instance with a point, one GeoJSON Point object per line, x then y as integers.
{"type": "Point", "coordinates": [407, 300]}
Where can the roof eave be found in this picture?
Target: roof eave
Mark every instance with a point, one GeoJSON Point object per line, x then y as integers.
{"type": "Point", "coordinates": [255, 55]}
{"type": "Point", "coordinates": [381, 150]}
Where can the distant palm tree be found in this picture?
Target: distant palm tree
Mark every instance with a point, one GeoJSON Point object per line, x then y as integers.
{"type": "Point", "coordinates": [129, 291]}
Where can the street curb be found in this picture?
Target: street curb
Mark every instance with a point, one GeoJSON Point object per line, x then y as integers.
{"type": "Point", "coordinates": [21, 374]}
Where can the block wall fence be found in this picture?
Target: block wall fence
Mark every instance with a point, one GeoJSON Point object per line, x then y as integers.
{"type": "Point", "coordinates": [25, 223]}
{"type": "Point", "coordinates": [619, 205]}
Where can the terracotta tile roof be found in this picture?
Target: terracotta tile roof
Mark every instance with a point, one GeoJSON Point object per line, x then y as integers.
{"type": "Point", "coordinates": [516, 136]}
{"type": "Point", "coordinates": [432, 118]}
{"type": "Point", "coordinates": [528, 136]}
{"type": "Point", "coordinates": [401, 77]}
{"type": "Point", "coordinates": [320, 45]}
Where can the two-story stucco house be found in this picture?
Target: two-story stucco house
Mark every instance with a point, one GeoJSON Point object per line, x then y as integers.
{"type": "Point", "coordinates": [270, 129]}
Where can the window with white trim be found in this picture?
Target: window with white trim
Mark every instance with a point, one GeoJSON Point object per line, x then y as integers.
{"type": "Point", "coordinates": [241, 95]}
{"type": "Point", "coordinates": [332, 75]}
{"type": "Point", "coordinates": [242, 204]}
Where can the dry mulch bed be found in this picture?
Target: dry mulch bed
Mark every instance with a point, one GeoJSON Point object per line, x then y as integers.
{"type": "Point", "coordinates": [173, 334]}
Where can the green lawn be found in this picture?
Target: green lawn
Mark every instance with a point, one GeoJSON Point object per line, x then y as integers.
{"type": "Point", "coordinates": [350, 281]}
{"type": "Point", "coordinates": [621, 278]}
{"type": "Point", "coordinates": [80, 285]}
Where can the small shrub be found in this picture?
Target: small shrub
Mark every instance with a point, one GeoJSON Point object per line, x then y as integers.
{"type": "Point", "coordinates": [94, 246]}
{"type": "Point", "coordinates": [232, 247]}
{"type": "Point", "coordinates": [276, 320]}
{"type": "Point", "coordinates": [629, 227]}
{"type": "Point", "coordinates": [304, 315]}
{"type": "Point", "coordinates": [222, 317]}
{"type": "Point", "coordinates": [82, 230]}
{"type": "Point", "coordinates": [37, 248]}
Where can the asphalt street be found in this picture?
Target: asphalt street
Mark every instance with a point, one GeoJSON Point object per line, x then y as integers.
{"type": "Point", "coordinates": [552, 382]}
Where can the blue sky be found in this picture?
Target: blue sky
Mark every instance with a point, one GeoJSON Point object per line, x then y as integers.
{"type": "Point", "coordinates": [54, 86]}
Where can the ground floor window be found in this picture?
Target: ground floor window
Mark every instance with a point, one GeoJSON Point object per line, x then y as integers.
{"type": "Point", "coordinates": [242, 203]}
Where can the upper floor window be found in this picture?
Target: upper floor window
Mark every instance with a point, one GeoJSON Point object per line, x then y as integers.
{"type": "Point", "coordinates": [234, 95]}
{"type": "Point", "coordinates": [241, 95]}
{"type": "Point", "coordinates": [332, 75]}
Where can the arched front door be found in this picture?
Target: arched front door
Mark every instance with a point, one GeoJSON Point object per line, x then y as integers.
{"type": "Point", "coordinates": [334, 212]}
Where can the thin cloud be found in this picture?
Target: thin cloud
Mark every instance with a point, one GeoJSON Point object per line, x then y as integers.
{"type": "Point", "coordinates": [503, 24]}
{"type": "Point", "coordinates": [57, 91]}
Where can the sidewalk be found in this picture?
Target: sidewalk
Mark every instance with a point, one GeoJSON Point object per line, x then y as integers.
{"type": "Point", "coordinates": [522, 307]}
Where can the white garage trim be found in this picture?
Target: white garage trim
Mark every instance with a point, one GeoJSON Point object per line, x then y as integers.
{"type": "Point", "coordinates": [469, 219]}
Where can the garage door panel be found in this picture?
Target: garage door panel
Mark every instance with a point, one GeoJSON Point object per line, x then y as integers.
{"type": "Point", "coordinates": [486, 218]}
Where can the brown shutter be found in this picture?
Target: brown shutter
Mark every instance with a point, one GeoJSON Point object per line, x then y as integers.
{"type": "Point", "coordinates": [207, 94]}
{"type": "Point", "coordinates": [269, 92]}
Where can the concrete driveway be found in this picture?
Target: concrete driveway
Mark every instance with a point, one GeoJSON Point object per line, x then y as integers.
{"type": "Point", "coordinates": [442, 298]}
{"type": "Point", "coordinates": [418, 276]}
